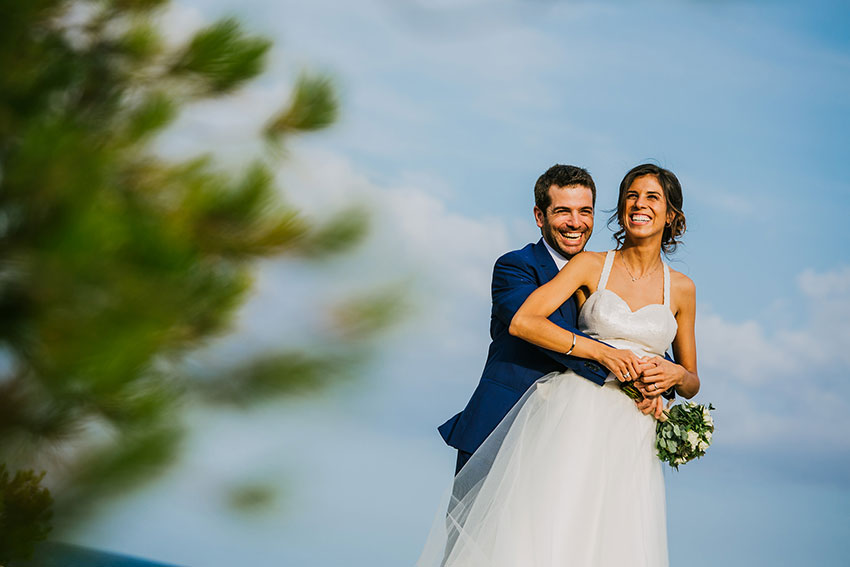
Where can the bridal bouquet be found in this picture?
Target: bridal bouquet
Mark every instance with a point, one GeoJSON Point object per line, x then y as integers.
{"type": "Point", "coordinates": [684, 431]}
{"type": "Point", "coordinates": [685, 434]}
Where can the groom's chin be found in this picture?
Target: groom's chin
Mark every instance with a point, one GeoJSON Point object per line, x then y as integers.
{"type": "Point", "coordinates": [570, 248]}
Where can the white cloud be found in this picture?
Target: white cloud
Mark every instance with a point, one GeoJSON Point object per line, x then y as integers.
{"type": "Point", "coordinates": [783, 386]}
{"type": "Point", "coordinates": [179, 22]}
{"type": "Point", "coordinates": [230, 127]}
{"type": "Point", "coordinates": [829, 285]}
{"type": "Point", "coordinates": [413, 231]}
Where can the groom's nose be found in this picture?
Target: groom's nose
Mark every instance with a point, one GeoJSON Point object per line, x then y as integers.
{"type": "Point", "coordinates": [573, 220]}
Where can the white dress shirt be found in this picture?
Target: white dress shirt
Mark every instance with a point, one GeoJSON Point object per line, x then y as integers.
{"type": "Point", "coordinates": [560, 261]}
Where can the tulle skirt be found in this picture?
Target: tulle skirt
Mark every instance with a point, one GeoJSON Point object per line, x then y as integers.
{"type": "Point", "coordinates": [569, 478]}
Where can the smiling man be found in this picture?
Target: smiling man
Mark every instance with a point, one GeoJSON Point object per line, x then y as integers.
{"type": "Point", "coordinates": [564, 213]}
{"type": "Point", "coordinates": [564, 198]}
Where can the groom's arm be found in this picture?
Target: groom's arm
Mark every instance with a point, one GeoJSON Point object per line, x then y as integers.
{"type": "Point", "coordinates": [513, 281]}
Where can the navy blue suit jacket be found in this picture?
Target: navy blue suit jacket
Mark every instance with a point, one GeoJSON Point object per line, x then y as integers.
{"type": "Point", "coordinates": [513, 364]}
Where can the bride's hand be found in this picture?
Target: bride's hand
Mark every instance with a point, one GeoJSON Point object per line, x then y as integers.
{"type": "Point", "coordinates": [623, 363]}
{"type": "Point", "coordinates": [659, 375]}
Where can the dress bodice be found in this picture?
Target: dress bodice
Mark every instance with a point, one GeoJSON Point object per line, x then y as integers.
{"type": "Point", "coordinates": [607, 317]}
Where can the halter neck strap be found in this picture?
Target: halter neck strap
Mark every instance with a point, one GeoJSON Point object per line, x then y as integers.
{"type": "Point", "coordinates": [606, 270]}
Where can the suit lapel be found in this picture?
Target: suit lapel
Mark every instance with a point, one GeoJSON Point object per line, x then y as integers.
{"type": "Point", "coordinates": [548, 270]}
{"type": "Point", "coordinates": [545, 261]}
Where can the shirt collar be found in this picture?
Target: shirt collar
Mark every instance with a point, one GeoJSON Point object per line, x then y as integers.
{"type": "Point", "coordinates": [560, 261]}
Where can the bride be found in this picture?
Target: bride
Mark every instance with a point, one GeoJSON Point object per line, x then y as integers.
{"type": "Point", "coordinates": [570, 476]}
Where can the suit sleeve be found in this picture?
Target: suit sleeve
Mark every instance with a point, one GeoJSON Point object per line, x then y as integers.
{"type": "Point", "coordinates": [513, 282]}
{"type": "Point", "coordinates": [670, 394]}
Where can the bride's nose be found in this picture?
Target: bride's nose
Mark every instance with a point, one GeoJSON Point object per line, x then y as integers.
{"type": "Point", "coordinates": [640, 203]}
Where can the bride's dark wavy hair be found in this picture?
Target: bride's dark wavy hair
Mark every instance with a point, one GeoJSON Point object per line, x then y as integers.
{"type": "Point", "coordinates": [671, 237]}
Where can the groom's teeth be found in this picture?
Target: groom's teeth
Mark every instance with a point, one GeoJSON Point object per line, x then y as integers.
{"type": "Point", "coordinates": [572, 235]}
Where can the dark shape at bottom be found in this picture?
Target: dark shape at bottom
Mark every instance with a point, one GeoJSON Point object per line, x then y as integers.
{"type": "Point", "coordinates": [54, 554]}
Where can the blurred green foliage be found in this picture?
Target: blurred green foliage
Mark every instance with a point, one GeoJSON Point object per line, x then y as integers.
{"type": "Point", "coordinates": [251, 498]}
{"type": "Point", "coordinates": [116, 262]}
{"type": "Point", "coordinates": [24, 514]}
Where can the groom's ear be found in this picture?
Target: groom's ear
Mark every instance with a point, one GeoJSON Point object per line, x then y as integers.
{"type": "Point", "coordinates": [539, 216]}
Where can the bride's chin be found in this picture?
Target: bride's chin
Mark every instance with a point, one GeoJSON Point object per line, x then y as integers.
{"type": "Point", "coordinates": [640, 233]}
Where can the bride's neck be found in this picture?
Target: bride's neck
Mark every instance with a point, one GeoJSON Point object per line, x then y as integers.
{"type": "Point", "coordinates": [641, 257]}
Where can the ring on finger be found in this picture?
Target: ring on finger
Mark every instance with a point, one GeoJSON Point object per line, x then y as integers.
{"type": "Point", "coordinates": [627, 375]}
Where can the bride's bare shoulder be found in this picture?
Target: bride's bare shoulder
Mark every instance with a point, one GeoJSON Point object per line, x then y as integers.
{"type": "Point", "coordinates": [590, 258]}
{"type": "Point", "coordinates": [682, 285]}
{"type": "Point", "coordinates": [588, 265]}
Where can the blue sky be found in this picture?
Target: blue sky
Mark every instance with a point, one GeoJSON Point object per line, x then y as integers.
{"type": "Point", "coordinates": [450, 111]}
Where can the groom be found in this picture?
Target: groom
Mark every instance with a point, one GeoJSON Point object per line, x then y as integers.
{"type": "Point", "coordinates": [564, 199]}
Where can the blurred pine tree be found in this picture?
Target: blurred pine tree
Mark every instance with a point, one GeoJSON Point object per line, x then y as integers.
{"type": "Point", "coordinates": [114, 262]}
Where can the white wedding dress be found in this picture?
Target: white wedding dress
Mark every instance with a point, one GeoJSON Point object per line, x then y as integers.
{"type": "Point", "coordinates": [570, 477]}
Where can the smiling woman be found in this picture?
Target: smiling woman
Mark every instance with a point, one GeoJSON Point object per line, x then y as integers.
{"type": "Point", "coordinates": [656, 182]}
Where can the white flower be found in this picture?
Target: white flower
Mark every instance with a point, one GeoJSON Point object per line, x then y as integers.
{"type": "Point", "coordinates": [702, 446]}
{"type": "Point", "coordinates": [708, 436]}
{"type": "Point", "coordinates": [693, 439]}
{"type": "Point", "coordinates": [679, 461]}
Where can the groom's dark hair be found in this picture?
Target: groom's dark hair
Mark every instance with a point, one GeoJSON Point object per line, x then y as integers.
{"type": "Point", "coordinates": [561, 176]}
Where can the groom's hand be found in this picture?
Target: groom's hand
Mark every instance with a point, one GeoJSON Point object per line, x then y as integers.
{"type": "Point", "coordinates": [654, 406]}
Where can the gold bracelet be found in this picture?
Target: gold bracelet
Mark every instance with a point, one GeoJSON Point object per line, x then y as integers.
{"type": "Point", "coordinates": [572, 347]}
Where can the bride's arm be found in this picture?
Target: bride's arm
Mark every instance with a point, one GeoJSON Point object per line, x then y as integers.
{"type": "Point", "coordinates": [531, 321]}
{"type": "Point", "coordinates": [682, 376]}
